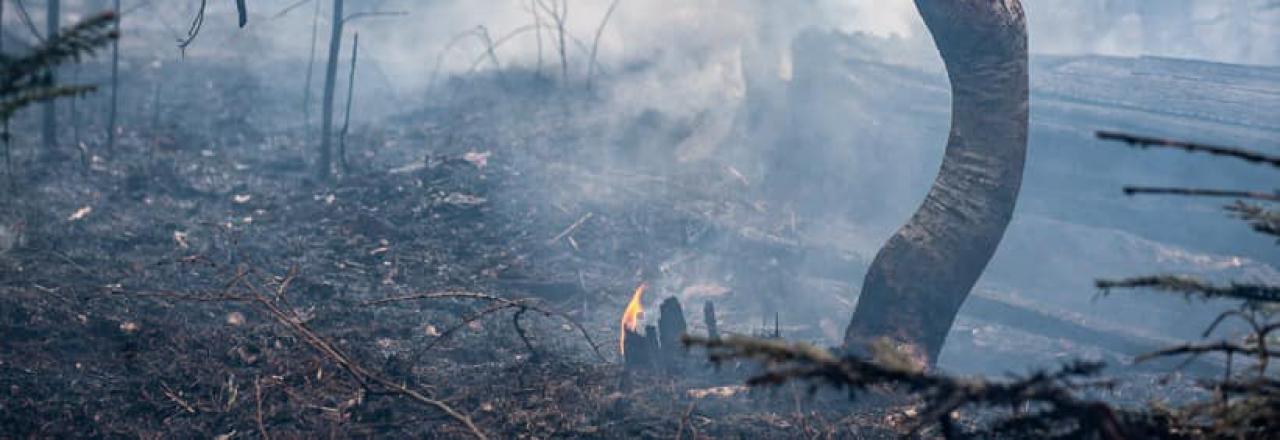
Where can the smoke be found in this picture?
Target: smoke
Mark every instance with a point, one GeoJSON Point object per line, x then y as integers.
{"type": "Point", "coordinates": [1230, 31]}
{"type": "Point", "coordinates": [816, 87]}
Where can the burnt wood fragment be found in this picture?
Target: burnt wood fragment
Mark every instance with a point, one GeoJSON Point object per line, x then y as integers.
{"type": "Point", "coordinates": [636, 352]}
{"type": "Point", "coordinates": [709, 317]}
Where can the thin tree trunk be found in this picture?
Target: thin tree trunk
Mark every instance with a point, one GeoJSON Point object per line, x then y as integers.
{"type": "Point", "coordinates": [324, 166]}
{"type": "Point", "coordinates": [4, 134]}
{"type": "Point", "coordinates": [242, 12]}
{"type": "Point", "coordinates": [351, 94]}
{"type": "Point", "coordinates": [49, 127]}
{"type": "Point", "coordinates": [595, 43]}
{"type": "Point", "coordinates": [75, 122]}
{"type": "Point", "coordinates": [537, 29]}
{"type": "Point", "coordinates": [564, 56]}
{"type": "Point", "coordinates": [115, 83]}
{"type": "Point", "coordinates": [920, 278]}
{"type": "Point", "coordinates": [311, 66]}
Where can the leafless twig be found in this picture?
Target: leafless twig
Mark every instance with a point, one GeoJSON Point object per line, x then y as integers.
{"type": "Point", "coordinates": [501, 304]}
{"type": "Point", "coordinates": [1192, 286]}
{"type": "Point", "coordinates": [1147, 141]}
{"type": "Point", "coordinates": [1255, 195]}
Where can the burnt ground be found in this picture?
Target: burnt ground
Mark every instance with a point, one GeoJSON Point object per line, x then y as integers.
{"type": "Point", "coordinates": [120, 318]}
{"type": "Point", "coordinates": [123, 290]}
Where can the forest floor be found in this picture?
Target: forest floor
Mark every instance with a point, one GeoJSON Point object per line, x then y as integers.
{"type": "Point", "coordinates": [202, 283]}
{"type": "Point", "coordinates": [128, 291]}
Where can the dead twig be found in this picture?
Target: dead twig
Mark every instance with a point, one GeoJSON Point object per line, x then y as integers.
{"type": "Point", "coordinates": [1263, 220]}
{"type": "Point", "coordinates": [257, 395]}
{"type": "Point", "coordinates": [688, 413]}
{"type": "Point", "coordinates": [1217, 150]}
{"type": "Point", "coordinates": [515, 321]}
{"type": "Point", "coordinates": [502, 304]}
{"type": "Point", "coordinates": [569, 230]}
{"type": "Point", "coordinates": [595, 43]}
{"type": "Point", "coordinates": [1200, 349]}
{"type": "Point", "coordinates": [1256, 293]}
{"type": "Point", "coordinates": [1197, 192]}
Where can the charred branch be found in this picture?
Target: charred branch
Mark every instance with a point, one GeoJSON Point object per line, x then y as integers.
{"type": "Point", "coordinates": [1196, 192]}
{"type": "Point", "coordinates": [1263, 220]}
{"type": "Point", "coordinates": [500, 304]}
{"type": "Point", "coordinates": [1255, 293]}
{"type": "Point", "coordinates": [1193, 147]}
{"type": "Point", "coordinates": [1052, 393]}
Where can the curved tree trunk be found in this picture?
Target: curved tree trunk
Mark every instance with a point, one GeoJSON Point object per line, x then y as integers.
{"type": "Point", "coordinates": [920, 278]}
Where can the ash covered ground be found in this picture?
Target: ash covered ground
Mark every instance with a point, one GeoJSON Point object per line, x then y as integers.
{"type": "Point", "coordinates": [124, 274]}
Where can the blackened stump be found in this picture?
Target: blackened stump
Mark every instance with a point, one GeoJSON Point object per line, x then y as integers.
{"type": "Point", "coordinates": [671, 326]}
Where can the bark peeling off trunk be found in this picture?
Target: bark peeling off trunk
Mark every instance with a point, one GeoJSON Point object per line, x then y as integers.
{"type": "Point", "coordinates": [920, 278]}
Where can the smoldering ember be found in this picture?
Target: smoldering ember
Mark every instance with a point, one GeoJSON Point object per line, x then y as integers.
{"type": "Point", "coordinates": [667, 219]}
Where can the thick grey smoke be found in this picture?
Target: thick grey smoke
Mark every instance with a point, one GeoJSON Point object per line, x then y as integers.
{"type": "Point", "coordinates": [762, 82]}
{"type": "Point", "coordinates": [709, 40]}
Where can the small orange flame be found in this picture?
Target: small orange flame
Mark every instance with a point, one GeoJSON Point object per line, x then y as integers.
{"type": "Point", "coordinates": [631, 317]}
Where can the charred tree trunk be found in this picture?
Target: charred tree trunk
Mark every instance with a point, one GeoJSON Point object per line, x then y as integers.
{"type": "Point", "coordinates": [242, 13]}
{"type": "Point", "coordinates": [920, 278]}
{"type": "Point", "coordinates": [324, 165]}
{"type": "Point", "coordinates": [351, 96]}
{"type": "Point", "coordinates": [115, 82]}
{"type": "Point", "coordinates": [49, 126]}
{"type": "Point", "coordinates": [4, 130]}
{"type": "Point", "coordinates": [311, 64]}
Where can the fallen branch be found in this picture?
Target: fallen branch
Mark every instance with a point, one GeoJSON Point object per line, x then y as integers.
{"type": "Point", "coordinates": [257, 397]}
{"type": "Point", "coordinates": [571, 228]}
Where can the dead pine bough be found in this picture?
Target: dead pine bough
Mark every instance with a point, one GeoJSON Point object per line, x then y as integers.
{"type": "Point", "coordinates": [1246, 403]}
{"type": "Point", "coordinates": [1041, 404]}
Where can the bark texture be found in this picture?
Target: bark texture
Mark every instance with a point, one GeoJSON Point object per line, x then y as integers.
{"type": "Point", "coordinates": [920, 278]}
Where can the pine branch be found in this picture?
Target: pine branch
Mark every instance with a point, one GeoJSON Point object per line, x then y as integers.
{"type": "Point", "coordinates": [1049, 392]}
{"type": "Point", "coordinates": [70, 45]}
{"type": "Point", "coordinates": [11, 103]}
{"type": "Point", "coordinates": [1217, 150]}
{"type": "Point", "coordinates": [1253, 293]}
{"type": "Point", "coordinates": [1134, 190]}
{"type": "Point", "coordinates": [1222, 347]}
{"type": "Point", "coordinates": [24, 80]}
{"type": "Point", "coordinates": [1263, 220]}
